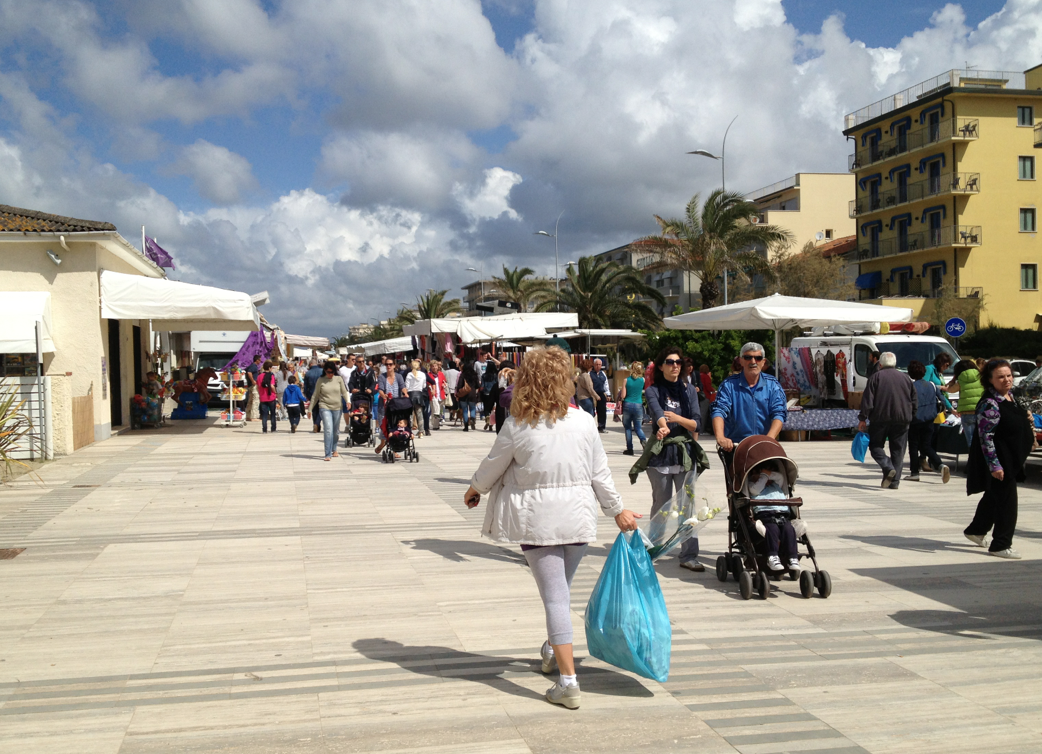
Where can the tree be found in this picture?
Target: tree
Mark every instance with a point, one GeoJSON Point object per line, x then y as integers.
{"type": "Point", "coordinates": [606, 294]}
{"type": "Point", "coordinates": [810, 274]}
{"type": "Point", "coordinates": [720, 235]}
{"type": "Point", "coordinates": [431, 305]}
{"type": "Point", "coordinates": [516, 286]}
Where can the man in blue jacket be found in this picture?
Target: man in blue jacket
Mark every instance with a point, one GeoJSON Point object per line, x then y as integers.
{"type": "Point", "coordinates": [600, 386]}
{"type": "Point", "coordinates": [310, 378]}
{"type": "Point", "coordinates": [747, 404]}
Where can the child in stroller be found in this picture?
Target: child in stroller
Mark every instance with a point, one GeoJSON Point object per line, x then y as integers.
{"type": "Point", "coordinates": [398, 438]}
{"type": "Point", "coordinates": [766, 482]}
{"type": "Point", "coordinates": [359, 427]}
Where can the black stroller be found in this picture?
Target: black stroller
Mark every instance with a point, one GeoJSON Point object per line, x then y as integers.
{"type": "Point", "coordinates": [746, 556]}
{"type": "Point", "coordinates": [360, 432]}
{"type": "Point", "coordinates": [398, 409]}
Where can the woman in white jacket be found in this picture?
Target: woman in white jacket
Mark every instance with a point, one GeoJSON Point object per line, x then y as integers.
{"type": "Point", "coordinates": [547, 474]}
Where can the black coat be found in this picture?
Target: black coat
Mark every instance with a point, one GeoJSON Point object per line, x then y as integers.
{"type": "Point", "coordinates": [1014, 436]}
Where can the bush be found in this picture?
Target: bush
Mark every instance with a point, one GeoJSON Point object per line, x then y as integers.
{"type": "Point", "coordinates": [715, 349]}
{"type": "Point", "coordinates": [1005, 342]}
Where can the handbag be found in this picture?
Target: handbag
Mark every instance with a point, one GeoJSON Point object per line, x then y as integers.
{"type": "Point", "coordinates": [618, 407]}
{"type": "Point", "coordinates": [463, 390]}
{"type": "Point", "coordinates": [941, 416]}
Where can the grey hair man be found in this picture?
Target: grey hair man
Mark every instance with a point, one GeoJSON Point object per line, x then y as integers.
{"type": "Point", "coordinates": [600, 387]}
{"type": "Point", "coordinates": [749, 403]}
{"type": "Point", "coordinates": [888, 406]}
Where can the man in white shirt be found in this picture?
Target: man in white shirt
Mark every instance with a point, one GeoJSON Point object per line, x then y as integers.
{"type": "Point", "coordinates": [346, 370]}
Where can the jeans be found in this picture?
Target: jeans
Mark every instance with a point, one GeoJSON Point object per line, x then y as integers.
{"type": "Point", "coordinates": [662, 487]}
{"type": "Point", "coordinates": [896, 433]}
{"type": "Point", "coordinates": [330, 429]}
{"type": "Point", "coordinates": [586, 404]}
{"type": "Point", "coordinates": [920, 436]}
{"type": "Point", "coordinates": [632, 418]}
{"type": "Point", "coordinates": [267, 408]}
{"type": "Point", "coordinates": [294, 415]}
{"type": "Point", "coordinates": [969, 427]}
{"type": "Point", "coordinates": [470, 411]}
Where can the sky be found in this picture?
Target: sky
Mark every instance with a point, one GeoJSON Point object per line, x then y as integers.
{"type": "Point", "coordinates": [348, 156]}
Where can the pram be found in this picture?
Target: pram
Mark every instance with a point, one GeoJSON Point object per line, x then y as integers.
{"type": "Point", "coordinates": [396, 410]}
{"type": "Point", "coordinates": [360, 432]}
{"type": "Point", "coordinates": [746, 556]}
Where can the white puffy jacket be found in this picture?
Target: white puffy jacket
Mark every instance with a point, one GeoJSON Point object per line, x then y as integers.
{"type": "Point", "coordinates": [546, 482]}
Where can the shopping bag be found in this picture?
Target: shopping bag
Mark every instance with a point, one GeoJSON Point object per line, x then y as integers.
{"type": "Point", "coordinates": [627, 624]}
{"type": "Point", "coordinates": [859, 447]}
{"type": "Point", "coordinates": [664, 524]}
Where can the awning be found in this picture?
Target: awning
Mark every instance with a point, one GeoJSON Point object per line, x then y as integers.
{"type": "Point", "coordinates": [525, 325]}
{"type": "Point", "coordinates": [19, 313]}
{"type": "Point", "coordinates": [869, 280]}
{"type": "Point", "coordinates": [377, 347]}
{"type": "Point", "coordinates": [175, 306]}
{"type": "Point", "coordinates": [307, 341]}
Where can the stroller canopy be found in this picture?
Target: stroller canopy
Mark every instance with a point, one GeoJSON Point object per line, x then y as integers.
{"type": "Point", "coordinates": [755, 450]}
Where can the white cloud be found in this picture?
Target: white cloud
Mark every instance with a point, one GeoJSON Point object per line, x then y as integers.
{"type": "Point", "coordinates": [219, 175]}
{"type": "Point", "coordinates": [491, 199]}
{"type": "Point", "coordinates": [754, 14]}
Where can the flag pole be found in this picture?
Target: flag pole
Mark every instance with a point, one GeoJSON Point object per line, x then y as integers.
{"type": "Point", "coordinates": [143, 241]}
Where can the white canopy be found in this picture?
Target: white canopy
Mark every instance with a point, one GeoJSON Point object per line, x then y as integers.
{"type": "Point", "coordinates": [524, 325]}
{"type": "Point", "coordinates": [19, 313]}
{"type": "Point", "coordinates": [175, 306]}
{"type": "Point", "coordinates": [376, 347]}
{"type": "Point", "coordinates": [307, 341]}
{"type": "Point", "coordinates": [779, 312]}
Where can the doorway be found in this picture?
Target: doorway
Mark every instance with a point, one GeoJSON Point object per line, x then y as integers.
{"type": "Point", "coordinates": [115, 383]}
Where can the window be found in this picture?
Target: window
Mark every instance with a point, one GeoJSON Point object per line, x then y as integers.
{"type": "Point", "coordinates": [828, 234]}
{"type": "Point", "coordinates": [1027, 219]}
{"type": "Point", "coordinates": [1029, 277]}
{"type": "Point", "coordinates": [1025, 116]}
{"type": "Point", "coordinates": [1026, 168]}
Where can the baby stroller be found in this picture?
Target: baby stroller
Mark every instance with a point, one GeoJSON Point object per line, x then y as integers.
{"type": "Point", "coordinates": [360, 432]}
{"type": "Point", "coordinates": [746, 556]}
{"type": "Point", "coordinates": [398, 409]}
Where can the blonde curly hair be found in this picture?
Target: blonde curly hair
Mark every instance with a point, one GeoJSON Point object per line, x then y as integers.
{"type": "Point", "coordinates": [543, 387]}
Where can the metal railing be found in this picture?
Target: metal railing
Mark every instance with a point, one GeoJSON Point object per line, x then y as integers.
{"type": "Point", "coordinates": [774, 188]}
{"type": "Point", "coordinates": [946, 183]}
{"type": "Point", "coordinates": [957, 129]}
{"type": "Point", "coordinates": [956, 77]}
{"type": "Point", "coordinates": [915, 288]}
{"type": "Point", "coordinates": [961, 236]}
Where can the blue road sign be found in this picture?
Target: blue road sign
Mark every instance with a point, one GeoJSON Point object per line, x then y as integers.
{"type": "Point", "coordinates": [955, 327]}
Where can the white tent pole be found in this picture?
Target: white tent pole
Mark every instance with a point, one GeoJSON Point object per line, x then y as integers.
{"type": "Point", "coordinates": [39, 394]}
{"type": "Point", "coordinates": [777, 353]}
{"type": "Point", "coordinates": [143, 241]}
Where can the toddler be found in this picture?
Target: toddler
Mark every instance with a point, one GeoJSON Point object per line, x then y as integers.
{"type": "Point", "coordinates": [766, 482]}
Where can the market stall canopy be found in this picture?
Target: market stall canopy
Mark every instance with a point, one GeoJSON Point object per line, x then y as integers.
{"type": "Point", "coordinates": [524, 325]}
{"type": "Point", "coordinates": [175, 306]}
{"type": "Point", "coordinates": [19, 313]}
{"type": "Point", "coordinates": [603, 333]}
{"type": "Point", "coordinates": [307, 341]}
{"type": "Point", "coordinates": [779, 312]}
{"type": "Point", "coordinates": [377, 347]}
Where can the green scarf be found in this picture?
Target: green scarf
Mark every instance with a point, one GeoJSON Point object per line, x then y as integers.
{"type": "Point", "coordinates": [655, 446]}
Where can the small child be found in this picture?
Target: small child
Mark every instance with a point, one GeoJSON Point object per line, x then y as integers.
{"type": "Point", "coordinates": [293, 400]}
{"type": "Point", "coordinates": [402, 430]}
{"type": "Point", "coordinates": [772, 521]}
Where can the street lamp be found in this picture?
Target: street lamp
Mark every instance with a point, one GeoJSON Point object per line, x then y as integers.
{"type": "Point", "coordinates": [723, 176]}
{"type": "Point", "coordinates": [481, 279]}
{"type": "Point", "coordinates": [557, 263]}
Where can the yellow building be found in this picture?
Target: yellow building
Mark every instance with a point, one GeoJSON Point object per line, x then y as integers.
{"type": "Point", "coordinates": [811, 206]}
{"type": "Point", "coordinates": [947, 194]}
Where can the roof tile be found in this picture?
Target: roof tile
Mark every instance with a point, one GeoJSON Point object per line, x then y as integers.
{"type": "Point", "coordinates": [18, 220]}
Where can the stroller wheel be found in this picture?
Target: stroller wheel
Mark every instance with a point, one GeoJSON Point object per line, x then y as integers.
{"type": "Point", "coordinates": [721, 568]}
{"type": "Point", "coordinates": [807, 584]}
{"type": "Point", "coordinates": [737, 566]}
{"type": "Point", "coordinates": [416, 457]}
{"type": "Point", "coordinates": [763, 586]}
{"type": "Point", "coordinates": [745, 584]}
{"type": "Point", "coordinates": [824, 584]}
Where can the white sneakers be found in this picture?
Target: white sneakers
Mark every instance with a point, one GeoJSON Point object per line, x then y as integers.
{"type": "Point", "coordinates": [981, 540]}
{"type": "Point", "coordinates": [566, 696]}
{"type": "Point", "coordinates": [1009, 554]}
{"type": "Point", "coordinates": [946, 474]}
{"type": "Point", "coordinates": [546, 652]}
{"type": "Point", "coordinates": [794, 564]}
{"type": "Point", "coordinates": [774, 563]}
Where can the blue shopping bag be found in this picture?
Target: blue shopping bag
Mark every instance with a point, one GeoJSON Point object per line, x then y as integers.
{"type": "Point", "coordinates": [859, 446]}
{"type": "Point", "coordinates": [626, 620]}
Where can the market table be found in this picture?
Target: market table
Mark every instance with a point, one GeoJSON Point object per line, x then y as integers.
{"type": "Point", "coordinates": [821, 419]}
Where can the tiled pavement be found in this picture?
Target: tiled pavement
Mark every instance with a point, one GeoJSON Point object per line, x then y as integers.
{"type": "Point", "coordinates": [200, 589]}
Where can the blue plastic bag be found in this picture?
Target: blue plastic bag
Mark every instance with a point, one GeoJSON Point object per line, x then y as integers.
{"type": "Point", "coordinates": [626, 620]}
{"type": "Point", "coordinates": [859, 446]}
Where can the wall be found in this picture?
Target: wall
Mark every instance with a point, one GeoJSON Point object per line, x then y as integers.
{"type": "Point", "coordinates": [823, 201]}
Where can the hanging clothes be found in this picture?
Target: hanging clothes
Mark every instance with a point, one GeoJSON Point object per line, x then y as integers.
{"type": "Point", "coordinates": [819, 373]}
{"type": "Point", "coordinates": [830, 373]}
{"type": "Point", "coordinates": [841, 372]}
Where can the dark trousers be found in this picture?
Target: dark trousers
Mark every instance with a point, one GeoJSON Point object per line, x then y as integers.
{"type": "Point", "coordinates": [294, 415]}
{"type": "Point", "coordinates": [894, 433]}
{"type": "Point", "coordinates": [316, 417]}
{"type": "Point", "coordinates": [426, 414]}
{"type": "Point", "coordinates": [501, 416]}
{"type": "Point", "coordinates": [781, 540]}
{"type": "Point", "coordinates": [920, 444]}
{"type": "Point", "coordinates": [998, 509]}
{"type": "Point", "coordinates": [267, 409]}
{"type": "Point", "coordinates": [602, 412]}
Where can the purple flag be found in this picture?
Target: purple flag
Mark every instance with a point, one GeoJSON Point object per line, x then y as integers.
{"type": "Point", "coordinates": [158, 254]}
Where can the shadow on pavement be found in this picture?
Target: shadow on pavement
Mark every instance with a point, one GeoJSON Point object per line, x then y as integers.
{"type": "Point", "coordinates": [442, 662]}
{"type": "Point", "coordinates": [919, 544]}
{"type": "Point", "coordinates": [460, 551]}
{"type": "Point", "coordinates": [993, 596]}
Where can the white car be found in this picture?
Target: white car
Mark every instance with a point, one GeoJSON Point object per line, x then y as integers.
{"type": "Point", "coordinates": [1021, 369]}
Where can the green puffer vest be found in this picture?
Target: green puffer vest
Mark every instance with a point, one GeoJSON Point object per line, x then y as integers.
{"type": "Point", "coordinates": [970, 390]}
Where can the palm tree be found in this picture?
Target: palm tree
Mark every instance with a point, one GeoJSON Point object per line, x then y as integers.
{"type": "Point", "coordinates": [606, 294]}
{"type": "Point", "coordinates": [720, 235]}
{"type": "Point", "coordinates": [431, 305]}
{"type": "Point", "coordinates": [515, 286]}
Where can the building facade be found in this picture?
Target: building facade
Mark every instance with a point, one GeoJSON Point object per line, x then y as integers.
{"type": "Point", "coordinates": [678, 287]}
{"type": "Point", "coordinates": [946, 195]}
{"type": "Point", "coordinates": [811, 206]}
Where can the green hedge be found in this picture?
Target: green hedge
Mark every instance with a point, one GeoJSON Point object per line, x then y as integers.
{"type": "Point", "coordinates": [1005, 342]}
{"type": "Point", "coordinates": [715, 349]}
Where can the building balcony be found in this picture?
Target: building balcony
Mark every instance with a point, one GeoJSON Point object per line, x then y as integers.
{"type": "Point", "coordinates": [1038, 135]}
{"type": "Point", "coordinates": [962, 236]}
{"type": "Point", "coordinates": [946, 183]}
{"type": "Point", "coordinates": [916, 288]}
{"type": "Point", "coordinates": [952, 129]}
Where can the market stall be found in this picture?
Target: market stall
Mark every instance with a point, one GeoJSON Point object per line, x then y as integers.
{"type": "Point", "coordinates": [439, 336]}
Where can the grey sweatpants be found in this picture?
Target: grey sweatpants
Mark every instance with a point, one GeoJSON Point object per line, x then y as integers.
{"type": "Point", "coordinates": [553, 568]}
{"type": "Point", "coordinates": [663, 487]}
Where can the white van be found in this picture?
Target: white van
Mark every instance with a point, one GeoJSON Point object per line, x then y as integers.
{"type": "Point", "coordinates": [846, 356]}
{"type": "Point", "coordinates": [215, 349]}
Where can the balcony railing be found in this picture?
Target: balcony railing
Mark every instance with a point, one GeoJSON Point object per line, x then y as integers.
{"type": "Point", "coordinates": [917, 288]}
{"type": "Point", "coordinates": [962, 236]}
{"type": "Point", "coordinates": [955, 129]}
{"type": "Point", "coordinates": [1038, 135]}
{"type": "Point", "coordinates": [946, 183]}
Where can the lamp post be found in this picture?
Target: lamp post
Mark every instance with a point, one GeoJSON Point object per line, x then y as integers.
{"type": "Point", "coordinates": [557, 263]}
{"type": "Point", "coordinates": [481, 280]}
{"type": "Point", "coordinates": [723, 176]}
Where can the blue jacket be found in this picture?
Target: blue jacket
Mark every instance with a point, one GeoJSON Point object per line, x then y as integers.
{"type": "Point", "coordinates": [292, 395]}
{"type": "Point", "coordinates": [310, 378]}
{"type": "Point", "coordinates": [749, 411]}
{"type": "Point", "coordinates": [600, 382]}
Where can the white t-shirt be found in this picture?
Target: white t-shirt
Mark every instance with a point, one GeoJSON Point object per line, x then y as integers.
{"type": "Point", "coordinates": [345, 374]}
{"type": "Point", "coordinates": [415, 382]}
{"type": "Point", "coordinates": [451, 378]}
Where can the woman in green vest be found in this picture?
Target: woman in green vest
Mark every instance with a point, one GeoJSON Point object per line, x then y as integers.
{"type": "Point", "coordinates": [967, 381]}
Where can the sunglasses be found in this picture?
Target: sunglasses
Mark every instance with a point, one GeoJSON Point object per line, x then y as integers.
{"type": "Point", "coordinates": [672, 362]}
{"type": "Point", "coordinates": [753, 358]}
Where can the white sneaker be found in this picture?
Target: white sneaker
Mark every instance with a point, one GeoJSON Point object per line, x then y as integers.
{"type": "Point", "coordinates": [546, 652]}
{"type": "Point", "coordinates": [567, 696]}
{"type": "Point", "coordinates": [888, 479]}
{"type": "Point", "coordinates": [981, 540]}
{"type": "Point", "coordinates": [946, 474]}
{"type": "Point", "coordinates": [1009, 554]}
{"type": "Point", "coordinates": [774, 563]}
{"type": "Point", "coordinates": [794, 564]}
{"type": "Point", "coordinates": [913, 477]}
